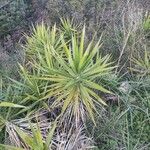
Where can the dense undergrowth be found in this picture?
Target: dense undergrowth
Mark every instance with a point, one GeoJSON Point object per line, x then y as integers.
{"type": "Point", "coordinates": [73, 89]}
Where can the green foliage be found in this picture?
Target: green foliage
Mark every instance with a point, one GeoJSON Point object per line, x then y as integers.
{"type": "Point", "coordinates": [125, 125]}
{"type": "Point", "coordinates": [64, 70]}
{"type": "Point", "coordinates": [68, 27]}
{"type": "Point", "coordinates": [36, 142]}
{"type": "Point", "coordinates": [146, 24]}
{"type": "Point", "coordinates": [142, 65]}
{"type": "Point", "coordinates": [70, 71]}
{"type": "Point", "coordinates": [8, 104]}
{"type": "Point", "coordinates": [41, 41]}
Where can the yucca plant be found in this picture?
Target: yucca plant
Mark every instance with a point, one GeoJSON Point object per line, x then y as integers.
{"type": "Point", "coordinates": [68, 27]}
{"type": "Point", "coordinates": [5, 114]}
{"type": "Point", "coordinates": [146, 23]}
{"type": "Point", "coordinates": [35, 141]}
{"type": "Point", "coordinates": [8, 108]}
{"type": "Point", "coordinates": [68, 73]}
{"type": "Point", "coordinates": [73, 78]}
{"type": "Point", "coordinates": [142, 65]}
{"type": "Point", "coordinates": [41, 40]}
{"type": "Point", "coordinates": [34, 131]}
{"type": "Point", "coordinates": [8, 105]}
{"type": "Point", "coordinates": [38, 49]}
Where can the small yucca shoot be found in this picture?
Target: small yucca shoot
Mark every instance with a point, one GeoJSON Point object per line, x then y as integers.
{"type": "Point", "coordinates": [68, 28]}
{"type": "Point", "coordinates": [142, 65]}
{"type": "Point", "coordinates": [146, 23]}
{"type": "Point", "coordinates": [40, 41]}
{"type": "Point", "coordinates": [34, 142]}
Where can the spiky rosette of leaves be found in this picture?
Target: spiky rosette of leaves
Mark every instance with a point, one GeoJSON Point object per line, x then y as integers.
{"type": "Point", "coordinates": [142, 65]}
{"type": "Point", "coordinates": [73, 77]}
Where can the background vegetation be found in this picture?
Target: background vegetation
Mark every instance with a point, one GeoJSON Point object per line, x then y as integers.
{"type": "Point", "coordinates": [55, 77]}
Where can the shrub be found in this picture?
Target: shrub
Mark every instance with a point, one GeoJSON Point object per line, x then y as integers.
{"type": "Point", "coordinates": [66, 71]}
